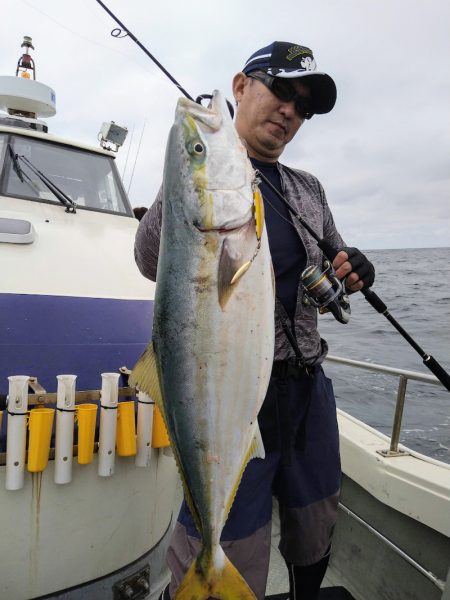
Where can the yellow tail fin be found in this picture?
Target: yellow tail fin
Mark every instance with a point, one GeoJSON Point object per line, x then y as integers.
{"type": "Point", "coordinates": [205, 579]}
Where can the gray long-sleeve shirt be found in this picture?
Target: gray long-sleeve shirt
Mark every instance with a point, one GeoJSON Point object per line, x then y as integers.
{"type": "Point", "coordinates": [305, 193]}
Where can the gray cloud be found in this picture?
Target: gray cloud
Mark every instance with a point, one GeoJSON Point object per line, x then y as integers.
{"type": "Point", "coordinates": [382, 154]}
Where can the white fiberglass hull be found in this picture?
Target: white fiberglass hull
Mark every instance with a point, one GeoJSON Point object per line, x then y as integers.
{"type": "Point", "coordinates": [60, 536]}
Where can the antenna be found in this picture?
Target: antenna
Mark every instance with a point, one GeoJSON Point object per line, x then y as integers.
{"type": "Point", "coordinates": [137, 154]}
{"type": "Point", "coordinates": [25, 65]}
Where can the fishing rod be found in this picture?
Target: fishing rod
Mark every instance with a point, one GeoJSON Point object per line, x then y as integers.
{"type": "Point", "coordinates": [141, 46]}
{"type": "Point", "coordinates": [117, 33]}
{"type": "Point", "coordinates": [323, 288]}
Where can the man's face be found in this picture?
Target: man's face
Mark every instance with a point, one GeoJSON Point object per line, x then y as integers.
{"type": "Point", "coordinates": [263, 121]}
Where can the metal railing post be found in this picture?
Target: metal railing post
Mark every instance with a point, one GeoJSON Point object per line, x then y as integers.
{"type": "Point", "coordinates": [404, 376]}
{"type": "Point", "coordinates": [397, 424]}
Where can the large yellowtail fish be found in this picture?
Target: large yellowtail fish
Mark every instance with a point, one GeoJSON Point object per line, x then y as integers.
{"type": "Point", "coordinates": [211, 354]}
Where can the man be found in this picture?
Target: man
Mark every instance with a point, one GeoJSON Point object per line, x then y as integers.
{"type": "Point", "coordinates": [277, 90]}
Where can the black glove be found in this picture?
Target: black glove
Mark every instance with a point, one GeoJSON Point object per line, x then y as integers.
{"type": "Point", "coordinates": [361, 265]}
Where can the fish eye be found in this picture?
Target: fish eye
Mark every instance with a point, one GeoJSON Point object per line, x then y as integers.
{"type": "Point", "coordinates": [198, 148]}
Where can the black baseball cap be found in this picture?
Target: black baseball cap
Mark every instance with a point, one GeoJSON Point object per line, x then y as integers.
{"type": "Point", "coordinates": [292, 61]}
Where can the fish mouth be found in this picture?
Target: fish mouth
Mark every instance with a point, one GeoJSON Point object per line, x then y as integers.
{"type": "Point", "coordinates": [222, 230]}
{"type": "Point", "coordinates": [210, 116]}
{"type": "Point", "coordinates": [223, 226]}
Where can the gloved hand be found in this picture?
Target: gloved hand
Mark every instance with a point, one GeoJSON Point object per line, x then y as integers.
{"type": "Point", "coordinates": [353, 264]}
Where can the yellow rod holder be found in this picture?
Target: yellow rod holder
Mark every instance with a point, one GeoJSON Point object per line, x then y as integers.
{"type": "Point", "coordinates": [86, 415]}
{"type": "Point", "coordinates": [40, 425]}
{"type": "Point", "coordinates": [126, 429]}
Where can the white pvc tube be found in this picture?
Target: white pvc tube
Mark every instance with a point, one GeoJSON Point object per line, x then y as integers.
{"type": "Point", "coordinates": [16, 434]}
{"type": "Point", "coordinates": [108, 424]}
{"type": "Point", "coordinates": [65, 415]}
{"type": "Point", "coordinates": [144, 430]}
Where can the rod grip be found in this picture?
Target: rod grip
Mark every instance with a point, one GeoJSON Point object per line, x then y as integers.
{"type": "Point", "coordinates": [329, 251]}
{"type": "Point", "coordinates": [437, 370]}
{"type": "Point", "coordinates": [375, 301]}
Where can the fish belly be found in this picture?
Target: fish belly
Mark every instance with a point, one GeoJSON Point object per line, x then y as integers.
{"type": "Point", "coordinates": [215, 364]}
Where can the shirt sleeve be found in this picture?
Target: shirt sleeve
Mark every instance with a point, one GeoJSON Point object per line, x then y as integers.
{"type": "Point", "coordinates": [330, 233]}
{"type": "Point", "coordinates": [146, 245]}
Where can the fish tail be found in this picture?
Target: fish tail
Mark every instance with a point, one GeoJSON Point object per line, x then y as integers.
{"type": "Point", "coordinates": [217, 578]}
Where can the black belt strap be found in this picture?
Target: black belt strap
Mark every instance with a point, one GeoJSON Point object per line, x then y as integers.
{"type": "Point", "coordinates": [290, 368]}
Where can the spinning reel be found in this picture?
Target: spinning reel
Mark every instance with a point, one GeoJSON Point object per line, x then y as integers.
{"type": "Point", "coordinates": [325, 291]}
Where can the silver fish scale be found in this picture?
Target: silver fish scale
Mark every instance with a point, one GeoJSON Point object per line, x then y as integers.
{"type": "Point", "coordinates": [214, 361]}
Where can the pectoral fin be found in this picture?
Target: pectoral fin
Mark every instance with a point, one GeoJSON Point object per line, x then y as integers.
{"type": "Point", "coordinates": [235, 259]}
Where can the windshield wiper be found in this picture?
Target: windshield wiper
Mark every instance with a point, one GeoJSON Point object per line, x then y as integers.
{"type": "Point", "coordinates": [56, 191]}
{"type": "Point", "coordinates": [17, 167]}
{"type": "Point", "coordinates": [24, 178]}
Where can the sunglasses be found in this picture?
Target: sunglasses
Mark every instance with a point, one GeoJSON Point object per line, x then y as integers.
{"type": "Point", "coordinates": [285, 92]}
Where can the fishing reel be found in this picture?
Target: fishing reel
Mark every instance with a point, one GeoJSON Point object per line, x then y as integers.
{"type": "Point", "coordinates": [325, 291]}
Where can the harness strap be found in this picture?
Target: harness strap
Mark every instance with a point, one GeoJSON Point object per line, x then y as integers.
{"type": "Point", "coordinates": [287, 328]}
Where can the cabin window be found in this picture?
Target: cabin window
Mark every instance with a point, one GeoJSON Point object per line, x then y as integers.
{"type": "Point", "coordinates": [88, 179]}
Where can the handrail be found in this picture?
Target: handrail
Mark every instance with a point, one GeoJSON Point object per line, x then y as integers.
{"type": "Point", "coordinates": [403, 376]}
{"type": "Point", "coordinates": [422, 570]}
{"type": "Point", "coordinates": [384, 369]}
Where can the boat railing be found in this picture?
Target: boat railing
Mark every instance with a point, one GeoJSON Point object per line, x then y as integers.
{"type": "Point", "coordinates": [403, 377]}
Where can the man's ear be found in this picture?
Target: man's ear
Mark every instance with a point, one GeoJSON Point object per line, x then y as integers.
{"type": "Point", "coordinates": [239, 82]}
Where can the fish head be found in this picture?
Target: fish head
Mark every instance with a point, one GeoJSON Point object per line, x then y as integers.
{"type": "Point", "coordinates": [207, 161]}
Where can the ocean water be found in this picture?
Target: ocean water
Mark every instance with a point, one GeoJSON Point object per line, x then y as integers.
{"type": "Point", "coordinates": [415, 286]}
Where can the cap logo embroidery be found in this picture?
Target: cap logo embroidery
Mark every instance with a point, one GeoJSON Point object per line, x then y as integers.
{"type": "Point", "coordinates": [295, 51]}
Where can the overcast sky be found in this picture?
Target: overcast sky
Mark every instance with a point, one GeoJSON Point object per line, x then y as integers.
{"type": "Point", "coordinates": [382, 154]}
